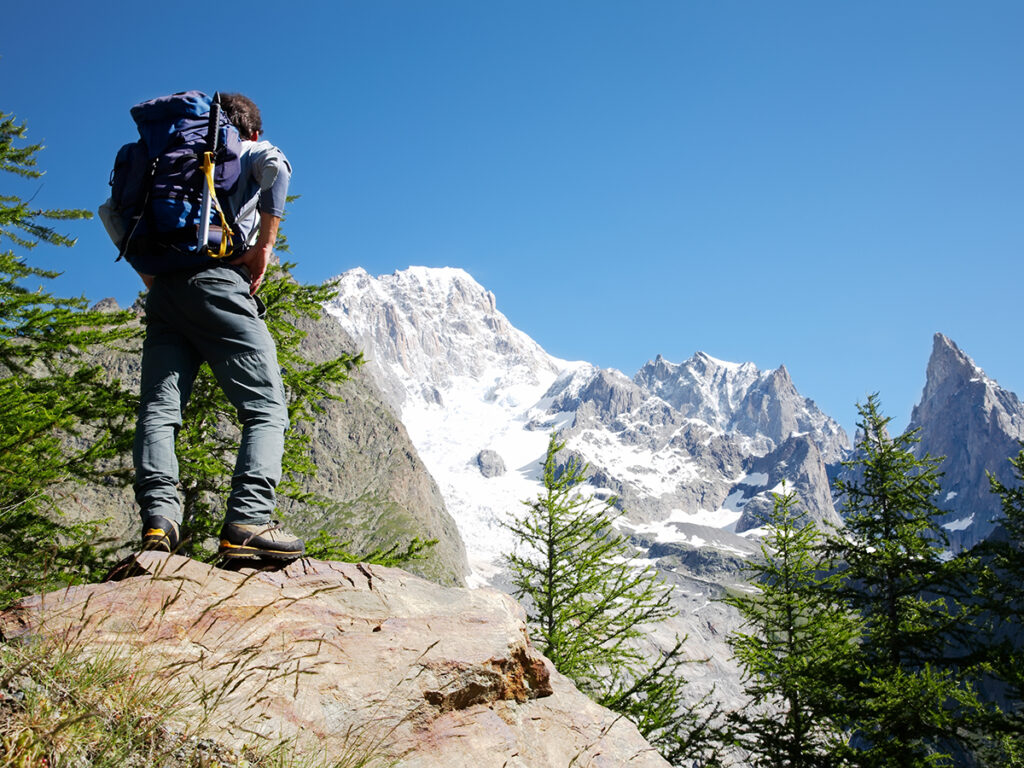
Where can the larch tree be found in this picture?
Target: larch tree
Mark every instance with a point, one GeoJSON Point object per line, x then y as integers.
{"type": "Point", "coordinates": [1001, 599]}
{"type": "Point", "coordinates": [906, 697]}
{"type": "Point", "coordinates": [60, 418]}
{"type": "Point", "coordinates": [590, 608]}
{"type": "Point", "coordinates": [795, 647]}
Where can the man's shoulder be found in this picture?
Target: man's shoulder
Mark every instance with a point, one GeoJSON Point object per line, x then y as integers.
{"type": "Point", "coordinates": [262, 151]}
{"type": "Point", "coordinates": [258, 147]}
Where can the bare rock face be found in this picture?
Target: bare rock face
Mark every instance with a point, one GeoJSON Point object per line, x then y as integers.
{"type": "Point", "coordinates": [343, 659]}
{"type": "Point", "coordinates": [977, 425]}
{"type": "Point", "coordinates": [490, 463]}
{"type": "Point", "coordinates": [368, 466]}
{"type": "Point", "coordinates": [798, 463]}
{"type": "Point", "coordinates": [763, 406]}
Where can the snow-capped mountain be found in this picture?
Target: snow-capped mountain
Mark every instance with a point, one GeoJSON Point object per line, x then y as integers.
{"type": "Point", "coordinates": [465, 383]}
{"type": "Point", "coordinates": [435, 331]}
{"type": "Point", "coordinates": [966, 417]}
{"type": "Point", "coordinates": [763, 406]}
{"type": "Point", "coordinates": [692, 450]}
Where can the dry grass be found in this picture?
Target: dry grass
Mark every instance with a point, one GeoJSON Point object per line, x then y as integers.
{"type": "Point", "coordinates": [67, 704]}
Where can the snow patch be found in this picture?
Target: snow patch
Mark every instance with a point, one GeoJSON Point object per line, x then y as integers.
{"type": "Point", "coordinates": [655, 473]}
{"type": "Point", "coordinates": [667, 532]}
{"type": "Point", "coordinates": [960, 525]}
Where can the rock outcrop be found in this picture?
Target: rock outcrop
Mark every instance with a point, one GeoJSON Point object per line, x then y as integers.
{"type": "Point", "coordinates": [342, 659]}
{"type": "Point", "coordinates": [490, 463]}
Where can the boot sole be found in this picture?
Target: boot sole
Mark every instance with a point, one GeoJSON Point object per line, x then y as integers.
{"type": "Point", "coordinates": [237, 552]}
{"type": "Point", "coordinates": [157, 542]}
{"type": "Point", "coordinates": [156, 545]}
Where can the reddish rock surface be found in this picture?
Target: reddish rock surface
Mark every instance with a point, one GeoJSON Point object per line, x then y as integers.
{"type": "Point", "coordinates": [344, 658]}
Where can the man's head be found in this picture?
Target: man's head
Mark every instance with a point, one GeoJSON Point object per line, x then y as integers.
{"type": "Point", "coordinates": [243, 114]}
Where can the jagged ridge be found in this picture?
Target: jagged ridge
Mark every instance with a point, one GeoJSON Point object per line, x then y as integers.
{"type": "Point", "coordinates": [677, 443]}
{"type": "Point", "coordinates": [966, 417]}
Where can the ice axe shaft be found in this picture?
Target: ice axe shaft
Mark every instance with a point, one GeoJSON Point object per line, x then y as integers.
{"type": "Point", "coordinates": [212, 134]}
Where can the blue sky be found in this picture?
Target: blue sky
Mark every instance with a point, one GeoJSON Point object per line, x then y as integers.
{"type": "Point", "coordinates": [823, 185]}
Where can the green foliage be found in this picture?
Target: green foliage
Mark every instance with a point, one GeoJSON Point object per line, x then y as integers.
{"type": "Point", "coordinates": [1001, 597]}
{"type": "Point", "coordinates": [60, 418]}
{"type": "Point", "coordinates": [905, 695]}
{"type": "Point", "coordinates": [19, 223]}
{"type": "Point", "coordinates": [76, 709]}
{"type": "Point", "coordinates": [589, 608]}
{"type": "Point", "coordinates": [326, 546]}
{"type": "Point", "coordinates": [798, 644]}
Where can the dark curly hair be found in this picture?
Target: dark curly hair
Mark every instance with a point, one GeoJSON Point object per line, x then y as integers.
{"type": "Point", "coordinates": [242, 113]}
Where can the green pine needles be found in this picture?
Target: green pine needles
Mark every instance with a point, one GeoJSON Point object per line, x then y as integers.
{"type": "Point", "coordinates": [590, 608]}
{"type": "Point", "coordinates": [60, 418]}
{"type": "Point", "coordinates": [796, 647]}
{"type": "Point", "coordinates": [1001, 616]}
{"type": "Point", "coordinates": [861, 645]}
{"type": "Point", "coordinates": [909, 699]}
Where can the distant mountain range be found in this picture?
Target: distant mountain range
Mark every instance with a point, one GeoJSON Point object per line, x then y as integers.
{"type": "Point", "coordinates": [693, 450]}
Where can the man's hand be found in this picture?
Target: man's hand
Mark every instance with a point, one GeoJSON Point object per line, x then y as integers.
{"type": "Point", "coordinates": [258, 257]}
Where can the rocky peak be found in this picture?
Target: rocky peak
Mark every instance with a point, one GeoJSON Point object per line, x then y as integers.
{"type": "Point", "coordinates": [954, 381]}
{"type": "Point", "coordinates": [425, 327]}
{"type": "Point", "coordinates": [702, 388]}
{"type": "Point", "coordinates": [781, 383]}
{"type": "Point", "coordinates": [966, 417]}
{"type": "Point", "coordinates": [763, 406]}
{"type": "Point", "coordinates": [607, 392]}
{"type": "Point", "coordinates": [614, 392]}
{"type": "Point", "coordinates": [108, 304]}
{"type": "Point", "coordinates": [949, 370]}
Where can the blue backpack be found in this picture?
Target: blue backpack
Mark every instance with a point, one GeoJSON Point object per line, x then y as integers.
{"type": "Point", "coordinates": [157, 184]}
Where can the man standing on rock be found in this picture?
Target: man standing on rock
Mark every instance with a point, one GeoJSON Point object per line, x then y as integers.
{"type": "Point", "coordinates": [211, 313]}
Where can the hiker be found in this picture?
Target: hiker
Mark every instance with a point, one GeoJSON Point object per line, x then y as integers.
{"type": "Point", "coordinates": [211, 313]}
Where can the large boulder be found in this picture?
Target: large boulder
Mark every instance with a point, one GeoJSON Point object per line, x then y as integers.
{"type": "Point", "coordinates": [339, 657]}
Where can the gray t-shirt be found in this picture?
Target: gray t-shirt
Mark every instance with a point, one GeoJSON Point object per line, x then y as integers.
{"type": "Point", "coordinates": [262, 187]}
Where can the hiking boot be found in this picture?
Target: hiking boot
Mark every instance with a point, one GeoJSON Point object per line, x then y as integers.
{"type": "Point", "coordinates": [159, 534]}
{"type": "Point", "coordinates": [268, 540]}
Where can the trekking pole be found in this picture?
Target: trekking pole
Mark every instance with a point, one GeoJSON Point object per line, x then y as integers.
{"type": "Point", "coordinates": [212, 133]}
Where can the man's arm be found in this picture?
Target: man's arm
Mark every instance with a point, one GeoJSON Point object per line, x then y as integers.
{"type": "Point", "coordinates": [258, 257]}
{"type": "Point", "coordinates": [271, 170]}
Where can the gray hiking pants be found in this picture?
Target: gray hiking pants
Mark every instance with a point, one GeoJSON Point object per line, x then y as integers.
{"type": "Point", "coordinates": [209, 315]}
